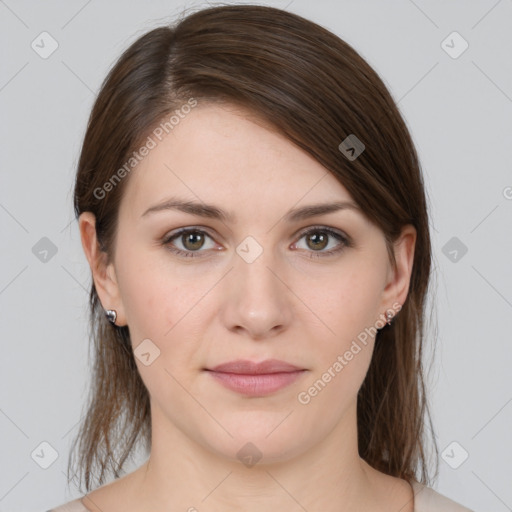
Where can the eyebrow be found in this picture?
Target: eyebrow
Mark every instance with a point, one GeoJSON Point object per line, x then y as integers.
{"type": "Point", "coordinates": [214, 212]}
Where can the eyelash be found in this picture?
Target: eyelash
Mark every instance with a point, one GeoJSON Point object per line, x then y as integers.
{"type": "Point", "coordinates": [345, 242]}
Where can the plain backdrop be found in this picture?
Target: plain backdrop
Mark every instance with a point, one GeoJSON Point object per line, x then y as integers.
{"type": "Point", "coordinates": [455, 93]}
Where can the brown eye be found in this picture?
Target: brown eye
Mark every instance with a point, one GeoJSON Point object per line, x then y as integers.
{"type": "Point", "coordinates": [318, 240]}
{"type": "Point", "coordinates": [189, 242]}
{"type": "Point", "coordinates": [193, 240]}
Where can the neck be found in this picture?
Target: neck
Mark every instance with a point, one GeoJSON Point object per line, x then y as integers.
{"type": "Point", "coordinates": [182, 474]}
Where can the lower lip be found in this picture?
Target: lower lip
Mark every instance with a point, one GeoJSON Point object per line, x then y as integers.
{"type": "Point", "coordinates": [256, 385]}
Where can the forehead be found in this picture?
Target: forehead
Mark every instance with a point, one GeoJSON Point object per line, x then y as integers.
{"type": "Point", "coordinates": [227, 155]}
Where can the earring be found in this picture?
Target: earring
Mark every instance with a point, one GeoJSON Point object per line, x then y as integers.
{"type": "Point", "coordinates": [389, 316]}
{"type": "Point", "coordinates": [111, 315]}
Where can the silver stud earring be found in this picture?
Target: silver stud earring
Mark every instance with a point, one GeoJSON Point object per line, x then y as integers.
{"type": "Point", "coordinates": [111, 315]}
{"type": "Point", "coordinates": [389, 316]}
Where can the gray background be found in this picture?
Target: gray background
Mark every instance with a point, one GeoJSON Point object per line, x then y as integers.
{"type": "Point", "coordinates": [459, 111]}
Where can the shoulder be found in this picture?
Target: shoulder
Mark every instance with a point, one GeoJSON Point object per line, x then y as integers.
{"type": "Point", "coordinates": [428, 500]}
{"type": "Point", "coordinates": [70, 506]}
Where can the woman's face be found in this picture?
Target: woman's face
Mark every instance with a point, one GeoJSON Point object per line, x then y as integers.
{"type": "Point", "coordinates": [266, 281]}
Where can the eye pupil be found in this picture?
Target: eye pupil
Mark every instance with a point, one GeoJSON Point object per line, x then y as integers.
{"type": "Point", "coordinates": [322, 238]}
{"type": "Point", "coordinates": [195, 237]}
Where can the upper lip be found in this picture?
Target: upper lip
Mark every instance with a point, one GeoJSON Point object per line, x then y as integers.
{"type": "Point", "coordinates": [247, 367]}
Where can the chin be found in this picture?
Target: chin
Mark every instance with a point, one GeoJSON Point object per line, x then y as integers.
{"type": "Point", "coordinates": [257, 443]}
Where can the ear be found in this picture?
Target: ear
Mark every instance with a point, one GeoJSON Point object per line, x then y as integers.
{"type": "Point", "coordinates": [399, 277]}
{"type": "Point", "coordinates": [103, 274]}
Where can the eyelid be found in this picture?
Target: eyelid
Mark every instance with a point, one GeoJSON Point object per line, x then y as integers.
{"type": "Point", "coordinates": [301, 232]}
{"type": "Point", "coordinates": [321, 227]}
{"type": "Point", "coordinates": [176, 233]}
{"type": "Point", "coordinates": [343, 239]}
{"type": "Point", "coordinates": [179, 231]}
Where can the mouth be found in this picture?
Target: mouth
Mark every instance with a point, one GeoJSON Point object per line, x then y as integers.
{"type": "Point", "coordinates": [256, 379]}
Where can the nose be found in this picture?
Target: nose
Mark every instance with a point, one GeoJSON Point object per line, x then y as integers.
{"type": "Point", "coordinates": [257, 301]}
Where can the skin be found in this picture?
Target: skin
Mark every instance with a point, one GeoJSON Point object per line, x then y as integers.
{"type": "Point", "coordinates": [217, 307]}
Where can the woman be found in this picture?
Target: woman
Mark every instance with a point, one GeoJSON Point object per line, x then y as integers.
{"type": "Point", "coordinates": [252, 209]}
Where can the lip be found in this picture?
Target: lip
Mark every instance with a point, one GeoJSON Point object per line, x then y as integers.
{"type": "Point", "coordinates": [247, 367]}
{"type": "Point", "coordinates": [256, 379]}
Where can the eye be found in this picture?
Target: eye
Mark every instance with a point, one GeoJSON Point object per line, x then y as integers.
{"type": "Point", "coordinates": [191, 239]}
{"type": "Point", "coordinates": [317, 239]}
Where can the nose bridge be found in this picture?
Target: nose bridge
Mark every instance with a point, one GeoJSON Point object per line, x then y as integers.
{"type": "Point", "coordinates": [258, 300]}
{"type": "Point", "coordinates": [253, 269]}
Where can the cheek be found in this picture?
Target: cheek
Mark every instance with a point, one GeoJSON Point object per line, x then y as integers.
{"type": "Point", "coordinates": [348, 302]}
{"type": "Point", "coordinates": [165, 312]}
{"type": "Point", "coordinates": [152, 296]}
{"type": "Point", "coordinates": [344, 351]}
{"type": "Point", "coordinates": [345, 339]}
{"type": "Point", "coordinates": [165, 307]}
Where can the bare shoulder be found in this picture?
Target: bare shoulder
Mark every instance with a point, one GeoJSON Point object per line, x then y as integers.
{"type": "Point", "coordinates": [389, 493]}
{"type": "Point", "coordinates": [75, 505]}
{"type": "Point", "coordinates": [428, 500]}
{"type": "Point", "coordinates": [116, 495]}
{"type": "Point", "coordinates": [107, 497]}
{"type": "Point", "coordinates": [397, 493]}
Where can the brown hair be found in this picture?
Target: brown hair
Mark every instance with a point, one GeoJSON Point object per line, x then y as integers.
{"type": "Point", "coordinates": [315, 89]}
